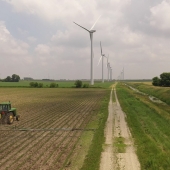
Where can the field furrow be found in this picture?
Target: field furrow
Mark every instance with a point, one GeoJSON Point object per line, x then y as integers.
{"type": "Point", "coordinates": [52, 121]}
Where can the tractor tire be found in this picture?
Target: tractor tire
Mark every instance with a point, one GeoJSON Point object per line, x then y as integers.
{"type": "Point", "coordinates": [10, 118]}
{"type": "Point", "coordinates": [3, 119]}
{"type": "Point", "coordinates": [18, 117]}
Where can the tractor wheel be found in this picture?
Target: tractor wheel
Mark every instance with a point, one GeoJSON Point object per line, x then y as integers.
{"type": "Point", "coordinates": [18, 117]}
{"type": "Point", "coordinates": [10, 118]}
{"type": "Point", "coordinates": [3, 119]}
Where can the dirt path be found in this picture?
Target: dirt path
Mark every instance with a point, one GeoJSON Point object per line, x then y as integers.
{"type": "Point", "coordinates": [119, 152]}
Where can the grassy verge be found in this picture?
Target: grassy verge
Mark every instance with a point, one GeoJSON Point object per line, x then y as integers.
{"type": "Point", "coordinates": [82, 147]}
{"type": "Point", "coordinates": [149, 128]}
{"type": "Point", "coordinates": [162, 93]}
{"type": "Point", "coordinates": [92, 160]}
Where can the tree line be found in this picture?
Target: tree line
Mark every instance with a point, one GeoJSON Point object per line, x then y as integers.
{"type": "Point", "coordinates": [164, 80]}
{"type": "Point", "coordinates": [13, 78]}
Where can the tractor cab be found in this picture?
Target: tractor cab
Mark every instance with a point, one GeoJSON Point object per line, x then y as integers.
{"type": "Point", "coordinates": [5, 106]}
{"type": "Point", "coordinates": [7, 114]}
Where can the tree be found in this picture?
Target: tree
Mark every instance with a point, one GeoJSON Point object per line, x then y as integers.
{"type": "Point", "coordinates": [7, 79]}
{"type": "Point", "coordinates": [156, 81]}
{"type": "Point", "coordinates": [78, 83]}
{"type": "Point", "coordinates": [15, 78]}
{"type": "Point", "coordinates": [165, 79]}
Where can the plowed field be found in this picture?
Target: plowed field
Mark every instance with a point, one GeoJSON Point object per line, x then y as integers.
{"type": "Point", "coordinates": [52, 121]}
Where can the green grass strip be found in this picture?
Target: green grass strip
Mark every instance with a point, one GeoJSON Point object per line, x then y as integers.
{"type": "Point", "coordinates": [119, 143]}
{"type": "Point", "coordinates": [162, 93]}
{"type": "Point", "coordinates": [149, 128]}
{"type": "Point", "coordinates": [92, 160]}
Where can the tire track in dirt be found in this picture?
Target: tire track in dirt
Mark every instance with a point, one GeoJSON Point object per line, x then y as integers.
{"type": "Point", "coordinates": [116, 131]}
{"type": "Point", "coordinates": [127, 159]}
{"type": "Point", "coordinates": [107, 157]}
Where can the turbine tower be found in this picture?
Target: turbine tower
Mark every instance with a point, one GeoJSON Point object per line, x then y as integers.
{"type": "Point", "coordinates": [110, 73]}
{"type": "Point", "coordinates": [108, 68]}
{"type": "Point", "coordinates": [102, 57]}
{"type": "Point", "coordinates": [91, 31]}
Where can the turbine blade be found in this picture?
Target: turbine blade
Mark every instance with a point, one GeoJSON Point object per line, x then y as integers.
{"type": "Point", "coordinates": [95, 22]}
{"type": "Point", "coordinates": [101, 47]}
{"type": "Point", "coordinates": [99, 60]}
{"type": "Point", "coordinates": [107, 61]}
{"type": "Point", "coordinates": [82, 27]}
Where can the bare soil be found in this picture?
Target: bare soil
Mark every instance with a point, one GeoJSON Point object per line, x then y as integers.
{"type": "Point", "coordinates": [112, 157]}
{"type": "Point", "coordinates": [52, 121]}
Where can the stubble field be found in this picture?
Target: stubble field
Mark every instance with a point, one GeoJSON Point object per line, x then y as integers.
{"type": "Point", "coordinates": [52, 121]}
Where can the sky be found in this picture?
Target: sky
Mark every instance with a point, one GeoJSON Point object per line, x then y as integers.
{"type": "Point", "coordinates": [38, 39]}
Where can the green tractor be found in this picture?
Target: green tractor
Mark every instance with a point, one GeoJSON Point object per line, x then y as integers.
{"type": "Point", "coordinates": [8, 114]}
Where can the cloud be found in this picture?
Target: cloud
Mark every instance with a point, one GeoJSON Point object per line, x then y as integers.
{"type": "Point", "coordinates": [9, 45]}
{"type": "Point", "coordinates": [130, 31]}
{"type": "Point", "coordinates": [57, 10]}
{"type": "Point", "coordinates": [42, 49]}
{"type": "Point", "coordinates": [49, 11]}
{"type": "Point", "coordinates": [160, 17]}
{"type": "Point", "coordinates": [31, 39]}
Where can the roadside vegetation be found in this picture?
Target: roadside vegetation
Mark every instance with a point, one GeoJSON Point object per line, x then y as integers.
{"type": "Point", "coordinates": [149, 124]}
{"type": "Point", "coordinates": [92, 160]}
{"type": "Point", "coordinates": [163, 93]}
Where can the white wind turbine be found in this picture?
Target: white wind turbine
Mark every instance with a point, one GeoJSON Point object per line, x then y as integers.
{"type": "Point", "coordinates": [102, 57]}
{"type": "Point", "coordinates": [91, 31]}
{"type": "Point", "coordinates": [110, 73]}
{"type": "Point", "coordinates": [108, 68]}
{"type": "Point", "coordinates": [123, 74]}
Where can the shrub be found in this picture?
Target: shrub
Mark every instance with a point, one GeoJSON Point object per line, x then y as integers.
{"type": "Point", "coordinates": [33, 84]}
{"type": "Point", "coordinates": [156, 81]}
{"type": "Point", "coordinates": [86, 85]}
{"type": "Point", "coordinates": [53, 85]}
{"type": "Point", "coordinates": [78, 83]}
{"type": "Point", "coordinates": [40, 85]}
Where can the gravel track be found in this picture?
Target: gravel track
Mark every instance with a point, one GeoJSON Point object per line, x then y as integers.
{"type": "Point", "coordinates": [116, 127]}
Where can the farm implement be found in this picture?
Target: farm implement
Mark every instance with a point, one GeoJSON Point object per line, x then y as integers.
{"type": "Point", "coordinates": [8, 114]}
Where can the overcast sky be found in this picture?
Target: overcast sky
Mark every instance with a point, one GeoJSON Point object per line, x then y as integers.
{"type": "Point", "coordinates": [38, 38]}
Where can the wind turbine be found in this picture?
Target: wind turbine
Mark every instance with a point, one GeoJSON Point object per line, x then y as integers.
{"type": "Point", "coordinates": [91, 31]}
{"type": "Point", "coordinates": [110, 73]}
{"type": "Point", "coordinates": [102, 57]}
{"type": "Point", "coordinates": [108, 67]}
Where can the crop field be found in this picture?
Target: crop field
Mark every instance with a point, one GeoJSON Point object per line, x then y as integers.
{"type": "Point", "coordinates": [62, 84]}
{"type": "Point", "coordinates": [52, 121]}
